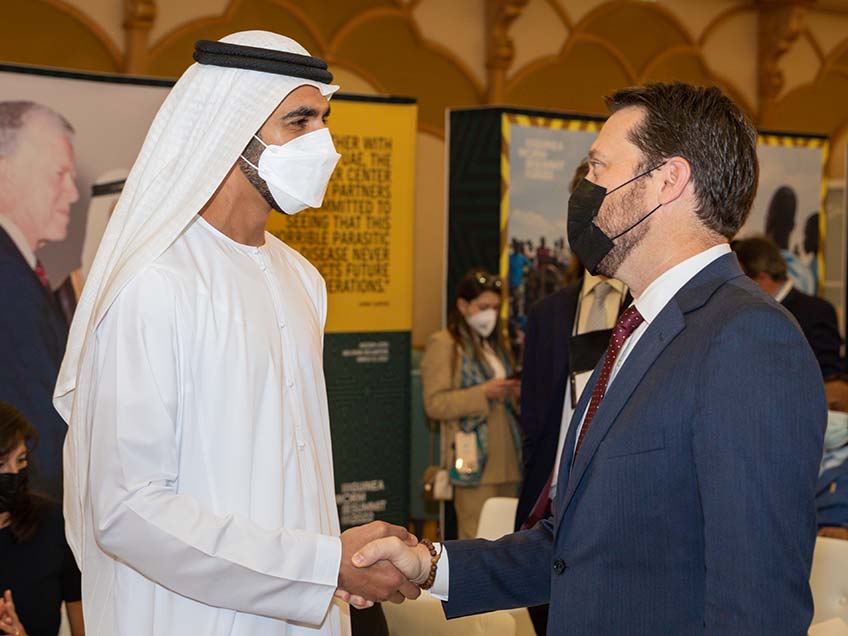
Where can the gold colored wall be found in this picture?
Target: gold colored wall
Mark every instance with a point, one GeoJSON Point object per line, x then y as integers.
{"type": "Point", "coordinates": [560, 54]}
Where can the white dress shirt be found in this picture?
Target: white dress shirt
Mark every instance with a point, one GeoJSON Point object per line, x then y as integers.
{"type": "Point", "coordinates": [650, 303]}
{"type": "Point", "coordinates": [783, 292]}
{"type": "Point", "coordinates": [19, 240]}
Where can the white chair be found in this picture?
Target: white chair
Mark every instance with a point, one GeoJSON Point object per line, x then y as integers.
{"type": "Point", "coordinates": [424, 617]}
{"type": "Point", "coordinates": [833, 627]}
{"type": "Point", "coordinates": [829, 579]}
{"type": "Point", "coordinates": [497, 518]}
{"type": "Point", "coordinates": [64, 626]}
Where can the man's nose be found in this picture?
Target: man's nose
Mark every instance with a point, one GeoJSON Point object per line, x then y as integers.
{"type": "Point", "coordinates": [73, 191]}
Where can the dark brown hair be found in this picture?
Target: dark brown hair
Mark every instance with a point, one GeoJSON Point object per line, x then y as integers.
{"type": "Point", "coordinates": [15, 429]}
{"type": "Point", "coordinates": [474, 283]}
{"type": "Point", "coordinates": [758, 255]}
{"type": "Point", "coordinates": [703, 126]}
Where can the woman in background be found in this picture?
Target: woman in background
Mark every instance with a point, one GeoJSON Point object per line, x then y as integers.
{"type": "Point", "coordinates": [469, 383]}
{"type": "Point", "coordinates": [37, 568]}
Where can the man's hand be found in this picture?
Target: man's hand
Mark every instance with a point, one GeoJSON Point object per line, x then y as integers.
{"type": "Point", "coordinates": [412, 560]}
{"type": "Point", "coordinates": [362, 586]}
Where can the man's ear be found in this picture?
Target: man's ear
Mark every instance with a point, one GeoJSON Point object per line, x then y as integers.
{"type": "Point", "coordinates": [676, 175]}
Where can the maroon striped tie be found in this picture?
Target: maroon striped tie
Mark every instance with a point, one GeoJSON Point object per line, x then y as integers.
{"type": "Point", "coordinates": [625, 326]}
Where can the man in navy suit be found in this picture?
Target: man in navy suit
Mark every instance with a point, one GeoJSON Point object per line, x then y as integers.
{"type": "Point", "coordinates": [686, 496]}
{"type": "Point", "coordinates": [37, 188]}
{"type": "Point", "coordinates": [763, 262]}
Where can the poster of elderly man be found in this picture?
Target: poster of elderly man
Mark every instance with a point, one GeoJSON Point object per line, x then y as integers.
{"type": "Point", "coordinates": [52, 158]}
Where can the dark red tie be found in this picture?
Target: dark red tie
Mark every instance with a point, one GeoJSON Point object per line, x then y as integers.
{"type": "Point", "coordinates": [42, 275]}
{"type": "Point", "coordinates": [626, 325]}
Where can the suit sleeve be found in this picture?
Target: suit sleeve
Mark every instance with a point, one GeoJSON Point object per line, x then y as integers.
{"type": "Point", "coordinates": [532, 424]}
{"type": "Point", "coordinates": [138, 514]}
{"type": "Point", "coordinates": [441, 400]}
{"type": "Point", "coordinates": [513, 571]}
{"type": "Point", "coordinates": [757, 444]}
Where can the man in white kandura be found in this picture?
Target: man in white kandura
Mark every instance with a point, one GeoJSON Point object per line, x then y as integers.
{"type": "Point", "coordinates": [199, 492]}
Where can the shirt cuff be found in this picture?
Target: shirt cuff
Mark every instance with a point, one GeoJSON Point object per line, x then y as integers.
{"type": "Point", "coordinates": [441, 586]}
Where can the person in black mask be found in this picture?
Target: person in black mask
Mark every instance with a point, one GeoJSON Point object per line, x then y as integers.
{"type": "Point", "coordinates": [37, 568]}
{"type": "Point", "coordinates": [601, 253]}
{"type": "Point", "coordinates": [685, 501]}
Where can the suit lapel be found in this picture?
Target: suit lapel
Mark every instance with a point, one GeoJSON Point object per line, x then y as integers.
{"type": "Point", "coordinates": [8, 245]}
{"type": "Point", "coordinates": [659, 333]}
{"type": "Point", "coordinates": [652, 343]}
{"type": "Point", "coordinates": [564, 476]}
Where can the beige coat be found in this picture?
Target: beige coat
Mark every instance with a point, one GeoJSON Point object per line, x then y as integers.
{"type": "Point", "coordinates": [443, 402]}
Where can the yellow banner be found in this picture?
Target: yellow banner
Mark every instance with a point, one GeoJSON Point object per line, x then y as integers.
{"type": "Point", "coordinates": [361, 238]}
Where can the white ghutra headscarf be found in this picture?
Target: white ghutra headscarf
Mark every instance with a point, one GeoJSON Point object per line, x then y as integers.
{"type": "Point", "coordinates": [198, 134]}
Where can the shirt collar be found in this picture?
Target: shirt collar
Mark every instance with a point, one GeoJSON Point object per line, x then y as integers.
{"type": "Point", "coordinates": [19, 240]}
{"type": "Point", "coordinates": [590, 282]}
{"type": "Point", "coordinates": [783, 292]}
{"type": "Point", "coordinates": [656, 296]}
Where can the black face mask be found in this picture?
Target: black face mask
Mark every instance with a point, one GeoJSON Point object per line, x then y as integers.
{"type": "Point", "coordinates": [586, 239]}
{"type": "Point", "coordinates": [13, 487]}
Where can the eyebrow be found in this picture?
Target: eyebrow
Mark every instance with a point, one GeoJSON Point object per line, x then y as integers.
{"type": "Point", "coordinates": [595, 155]}
{"type": "Point", "coordinates": [305, 111]}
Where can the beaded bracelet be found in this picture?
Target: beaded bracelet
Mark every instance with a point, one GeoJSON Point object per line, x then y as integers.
{"type": "Point", "coordinates": [434, 559]}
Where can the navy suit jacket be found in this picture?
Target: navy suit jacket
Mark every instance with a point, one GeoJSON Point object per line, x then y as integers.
{"type": "Point", "coordinates": [33, 334]}
{"type": "Point", "coordinates": [543, 387]}
{"type": "Point", "coordinates": [817, 318]}
{"type": "Point", "coordinates": [690, 507]}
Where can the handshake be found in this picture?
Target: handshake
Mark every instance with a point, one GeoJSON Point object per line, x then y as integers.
{"type": "Point", "coordinates": [381, 562]}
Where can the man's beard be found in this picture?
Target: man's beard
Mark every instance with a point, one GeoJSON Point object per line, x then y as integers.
{"type": "Point", "coordinates": [628, 210]}
{"type": "Point", "coordinates": [252, 152]}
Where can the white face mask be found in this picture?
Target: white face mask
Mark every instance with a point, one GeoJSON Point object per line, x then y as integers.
{"type": "Point", "coordinates": [483, 322]}
{"type": "Point", "coordinates": [836, 435]}
{"type": "Point", "coordinates": [297, 173]}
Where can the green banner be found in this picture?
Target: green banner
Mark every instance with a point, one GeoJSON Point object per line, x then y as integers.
{"type": "Point", "coordinates": [368, 387]}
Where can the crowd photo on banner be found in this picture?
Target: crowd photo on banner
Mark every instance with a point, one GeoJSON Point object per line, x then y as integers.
{"type": "Point", "coordinates": [211, 407]}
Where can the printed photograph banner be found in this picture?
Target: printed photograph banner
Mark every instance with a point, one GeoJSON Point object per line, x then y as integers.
{"type": "Point", "coordinates": [110, 115]}
{"type": "Point", "coordinates": [539, 160]}
{"type": "Point", "coordinates": [361, 238]}
{"type": "Point", "coordinates": [789, 207]}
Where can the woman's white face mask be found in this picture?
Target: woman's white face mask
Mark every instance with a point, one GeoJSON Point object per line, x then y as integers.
{"type": "Point", "coordinates": [483, 322]}
{"type": "Point", "coordinates": [297, 173]}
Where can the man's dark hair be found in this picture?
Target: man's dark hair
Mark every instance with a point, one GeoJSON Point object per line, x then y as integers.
{"type": "Point", "coordinates": [14, 115]}
{"type": "Point", "coordinates": [760, 255]}
{"type": "Point", "coordinates": [703, 126]}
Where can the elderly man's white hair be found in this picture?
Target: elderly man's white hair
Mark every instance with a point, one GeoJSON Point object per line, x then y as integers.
{"type": "Point", "coordinates": [204, 124]}
{"type": "Point", "coordinates": [15, 115]}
